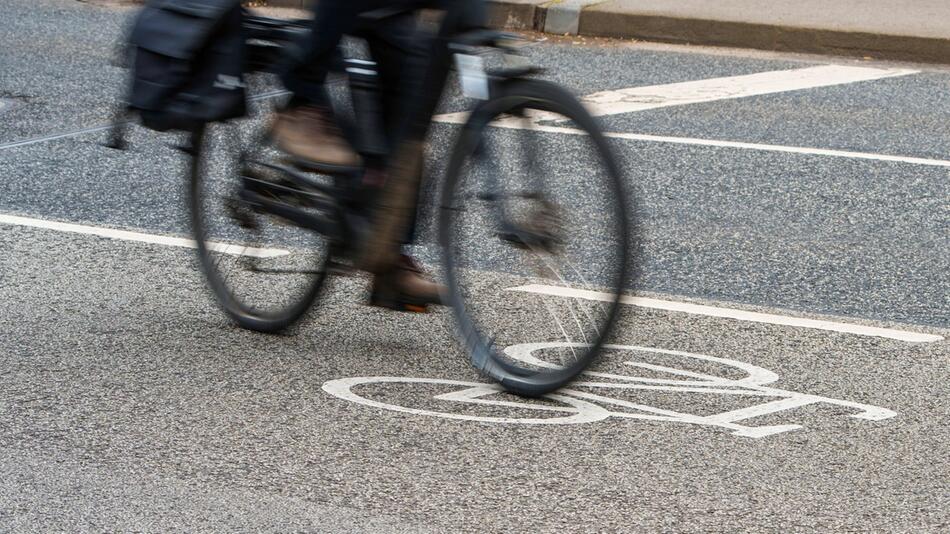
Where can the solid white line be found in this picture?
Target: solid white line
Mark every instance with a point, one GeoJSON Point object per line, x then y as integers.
{"type": "Point", "coordinates": [73, 133]}
{"type": "Point", "coordinates": [459, 118]}
{"type": "Point", "coordinates": [727, 88]}
{"type": "Point", "coordinates": [634, 99]}
{"type": "Point", "coordinates": [677, 94]}
{"type": "Point", "coordinates": [94, 129]}
{"type": "Point", "coordinates": [722, 144]}
{"type": "Point", "coordinates": [747, 146]}
{"type": "Point", "coordinates": [125, 235]}
{"type": "Point", "coordinates": [778, 148]}
{"type": "Point", "coordinates": [732, 313]}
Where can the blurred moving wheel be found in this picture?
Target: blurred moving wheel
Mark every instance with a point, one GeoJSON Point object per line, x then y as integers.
{"type": "Point", "coordinates": [533, 250]}
{"type": "Point", "coordinates": [264, 269]}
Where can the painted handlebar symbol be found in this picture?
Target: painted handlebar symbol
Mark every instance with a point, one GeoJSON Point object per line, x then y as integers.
{"type": "Point", "coordinates": [588, 400]}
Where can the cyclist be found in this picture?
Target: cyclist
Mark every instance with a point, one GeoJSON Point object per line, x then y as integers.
{"type": "Point", "coordinates": [308, 131]}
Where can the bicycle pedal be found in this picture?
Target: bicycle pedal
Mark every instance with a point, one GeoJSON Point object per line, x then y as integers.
{"type": "Point", "coordinates": [320, 168]}
{"type": "Point", "coordinates": [396, 305]}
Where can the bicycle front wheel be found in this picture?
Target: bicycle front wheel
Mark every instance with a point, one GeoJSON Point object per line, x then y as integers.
{"type": "Point", "coordinates": [535, 232]}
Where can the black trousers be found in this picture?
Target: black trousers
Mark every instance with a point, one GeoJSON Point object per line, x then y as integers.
{"type": "Point", "coordinates": [332, 19]}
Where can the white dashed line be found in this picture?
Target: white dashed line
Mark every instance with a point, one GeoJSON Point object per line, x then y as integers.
{"type": "Point", "coordinates": [126, 235]}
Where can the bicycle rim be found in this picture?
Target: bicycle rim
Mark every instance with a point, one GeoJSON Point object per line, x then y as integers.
{"type": "Point", "coordinates": [535, 236]}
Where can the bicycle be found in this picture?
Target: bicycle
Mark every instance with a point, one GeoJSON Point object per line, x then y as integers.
{"type": "Point", "coordinates": [269, 232]}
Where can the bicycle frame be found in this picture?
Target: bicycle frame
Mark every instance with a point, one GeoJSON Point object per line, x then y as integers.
{"type": "Point", "coordinates": [411, 130]}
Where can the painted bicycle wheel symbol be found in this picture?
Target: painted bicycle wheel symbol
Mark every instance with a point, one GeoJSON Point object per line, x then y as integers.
{"type": "Point", "coordinates": [588, 400]}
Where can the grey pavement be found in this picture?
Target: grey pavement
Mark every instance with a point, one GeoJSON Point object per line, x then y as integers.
{"type": "Point", "coordinates": [917, 30]}
{"type": "Point", "coordinates": [42, 493]}
{"type": "Point", "coordinates": [129, 403]}
{"type": "Point", "coordinates": [911, 30]}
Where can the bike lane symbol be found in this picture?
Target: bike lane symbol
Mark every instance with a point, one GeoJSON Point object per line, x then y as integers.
{"type": "Point", "coordinates": [574, 405]}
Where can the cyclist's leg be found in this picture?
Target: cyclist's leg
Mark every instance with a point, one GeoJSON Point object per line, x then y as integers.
{"type": "Point", "coordinates": [399, 49]}
{"type": "Point", "coordinates": [395, 209]}
{"type": "Point", "coordinates": [307, 129]}
{"type": "Point", "coordinates": [307, 75]}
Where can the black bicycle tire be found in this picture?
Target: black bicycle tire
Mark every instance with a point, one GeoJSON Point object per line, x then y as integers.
{"type": "Point", "coordinates": [506, 97]}
{"type": "Point", "coordinates": [240, 314]}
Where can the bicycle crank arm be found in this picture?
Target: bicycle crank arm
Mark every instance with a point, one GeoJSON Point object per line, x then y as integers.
{"type": "Point", "coordinates": [265, 187]}
{"type": "Point", "coordinates": [291, 175]}
{"type": "Point", "coordinates": [319, 223]}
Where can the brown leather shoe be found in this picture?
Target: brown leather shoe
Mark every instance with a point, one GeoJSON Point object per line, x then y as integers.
{"type": "Point", "coordinates": [311, 134]}
{"type": "Point", "coordinates": [406, 288]}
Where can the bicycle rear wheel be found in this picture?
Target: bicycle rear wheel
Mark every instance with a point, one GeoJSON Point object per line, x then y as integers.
{"type": "Point", "coordinates": [535, 231]}
{"type": "Point", "coordinates": [264, 270]}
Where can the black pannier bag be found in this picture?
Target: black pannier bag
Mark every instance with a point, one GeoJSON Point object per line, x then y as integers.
{"type": "Point", "coordinates": [187, 63]}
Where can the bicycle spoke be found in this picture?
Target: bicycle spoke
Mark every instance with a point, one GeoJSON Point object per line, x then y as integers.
{"type": "Point", "coordinates": [542, 254]}
{"type": "Point", "coordinates": [561, 326]}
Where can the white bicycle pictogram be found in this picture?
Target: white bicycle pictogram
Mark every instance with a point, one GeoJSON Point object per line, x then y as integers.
{"type": "Point", "coordinates": [576, 405]}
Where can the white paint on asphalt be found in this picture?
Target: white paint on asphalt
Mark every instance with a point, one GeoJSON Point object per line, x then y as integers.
{"type": "Point", "coordinates": [126, 235]}
{"type": "Point", "coordinates": [677, 94]}
{"type": "Point", "coordinates": [731, 313]}
{"type": "Point", "coordinates": [643, 98]}
{"type": "Point", "coordinates": [669, 305]}
{"type": "Point", "coordinates": [720, 143]}
{"type": "Point", "coordinates": [769, 148]}
{"type": "Point", "coordinates": [745, 146]}
{"type": "Point", "coordinates": [763, 83]}
{"type": "Point", "coordinates": [460, 118]}
{"type": "Point", "coordinates": [577, 411]}
{"type": "Point", "coordinates": [577, 406]}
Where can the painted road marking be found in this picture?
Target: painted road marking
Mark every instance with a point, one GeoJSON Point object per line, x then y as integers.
{"type": "Point", "coordinates": [659, 96]}
{"type": "Point", "coordinates": [767, 148]}
{"type": "Point", "coordinates": [737, 145]}
{"type": "Point", "coordinates": [631, 100]}
{"type": "Point", "coordinates": [763, 83]}
{"type": "Point", "coordinates": [669, 305]}
{"type": "Point", "coordinates": [732, 313]}
{"type": "Point", "coordinates": [125, 235]}
{"type": "Point", "coordinates": [634, 99]}
{"type": "Point", "coordinates": [96, 129]}
{"type": "Point", "coordinates": [577, 406]}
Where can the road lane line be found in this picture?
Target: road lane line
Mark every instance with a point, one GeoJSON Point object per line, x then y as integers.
{"type": "Point", "coordinates": [732, 87]}
{"type": "Point", "coordinates": [635, 99]}
{"type": "Point", "coordinates": [126, 235]}
{"type": "Point", "coordinates": [632, 99]}
{"type": "Point", "coordinates": [727, 144]}
{"type": "Point", "coordinates": [748, 146]}
{"type": "Point", "coordinates": [105, 127]}
{"type": "Point", "coordinates": [452, 119]}
{"type": "Point", "coordinates": [731, 313]}
{"type": "Point", "coordinates": [640, 98]}
{"type": "Point", "coordinates": [777, 148]}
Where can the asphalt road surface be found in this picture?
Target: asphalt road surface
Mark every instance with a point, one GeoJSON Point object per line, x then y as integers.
{"type": "Point", "coordinates": [785, 366]}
